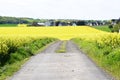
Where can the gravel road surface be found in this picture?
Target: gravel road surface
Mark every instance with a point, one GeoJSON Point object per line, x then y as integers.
{"type": "Point", "coordinates": [72, 65]}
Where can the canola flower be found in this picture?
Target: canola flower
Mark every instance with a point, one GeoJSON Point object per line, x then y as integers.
{"type": "Point", "coordinates": [62, 33]}
{"type": "Point", "coordinates": [17, 36]}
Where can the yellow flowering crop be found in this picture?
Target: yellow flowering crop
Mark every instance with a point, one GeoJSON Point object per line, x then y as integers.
{"type": "Point", "coordinates": [63, 33]}
{"type": "Point", "coordinates": [16, 36]}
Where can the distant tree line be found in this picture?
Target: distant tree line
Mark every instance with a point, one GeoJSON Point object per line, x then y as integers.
{"type": "Point", "coordinates": [50, 22]}
{"type": "Point", "coordinates": [115, 25]}
{"type": "Point", "coordinates": [71, 22]}
{"type": "Point", "coordinates": [17, 20]}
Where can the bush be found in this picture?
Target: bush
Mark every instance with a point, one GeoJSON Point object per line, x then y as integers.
{"type": "Point", "coordinates": [110, 26]}
{"type": "Point", "coordinates": [116, 27]}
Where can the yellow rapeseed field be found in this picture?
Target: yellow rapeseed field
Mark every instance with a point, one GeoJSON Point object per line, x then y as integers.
{"type": "Point", "coordinates": [62, 33]}
{"type": "Point", "coordinates": [14, 37]}
{"type": "Point", "coordinates": [17, 36]}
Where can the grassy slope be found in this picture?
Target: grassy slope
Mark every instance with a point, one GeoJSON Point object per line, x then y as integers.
{"type": "Point", "coordinates": [8, 25]}
{"type": "Point", "coordinates": [103, 28]}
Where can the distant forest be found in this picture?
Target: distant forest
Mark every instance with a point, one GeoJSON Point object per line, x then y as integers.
{"type": "Point", "coordinates": [18, 20]}
{"type": "Point", "coordinates": [25, 20]}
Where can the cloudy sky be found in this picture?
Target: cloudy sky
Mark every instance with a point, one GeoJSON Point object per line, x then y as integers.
{"type": "Point", "coordinates": [61, 9]}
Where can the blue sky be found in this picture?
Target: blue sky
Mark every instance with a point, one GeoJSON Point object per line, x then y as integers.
{"type": "Point", "coordinates": [61, 9]}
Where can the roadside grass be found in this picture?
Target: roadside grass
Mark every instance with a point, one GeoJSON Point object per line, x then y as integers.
{"type": "Point", "coordinates": [22, 55]}
{"type": "Point", "coordinates": [8, 25]}
{"type": "Point", "coordinates": [108, 59]}
{"type": "Point", "coordinates": [103, 28]}
{"type": "Point", "coordinates": [9, 69]}
{"type": "Point", "coordinates": [62, 48]}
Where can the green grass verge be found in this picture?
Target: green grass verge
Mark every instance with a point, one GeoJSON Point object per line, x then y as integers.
{"type": "Point", "coordinates": [8, 25]}
{"type": "Point", "coordinates": [23, 54]}
{"type": "Point", "coordinates": [108, 59]}
{"type": "Point", "coordinates": [62, 48]}
{"type": "Point", "coordinates": [103, 28]}
{"type": "Point", "coordinates": [9, 70]}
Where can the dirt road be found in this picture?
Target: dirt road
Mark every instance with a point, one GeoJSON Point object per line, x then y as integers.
{"type": "Point", "coordinates": [48, 65]}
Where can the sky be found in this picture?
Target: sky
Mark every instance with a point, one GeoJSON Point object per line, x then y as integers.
{"type": "Point", "coordinates": [61, 9]}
